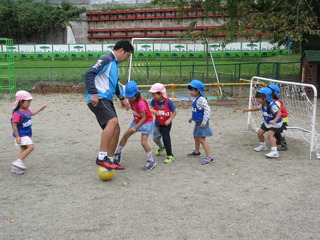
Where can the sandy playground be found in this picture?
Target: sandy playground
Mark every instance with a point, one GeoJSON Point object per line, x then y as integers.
{"type": "Point", "coordinates": [243, 195]}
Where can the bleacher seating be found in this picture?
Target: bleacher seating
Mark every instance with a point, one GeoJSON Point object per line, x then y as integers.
{"type": "Point", "coordinates": [126, 24]}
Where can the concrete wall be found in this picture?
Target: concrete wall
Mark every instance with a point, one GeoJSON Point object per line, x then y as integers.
{"type": "Point", "coordinates": [54, 36]}
{"type": "Point", "coordinates": [80, 31]}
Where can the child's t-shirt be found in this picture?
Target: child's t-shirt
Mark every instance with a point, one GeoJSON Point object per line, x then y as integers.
{"type": "Point", "coordinates": [161, 105]}
{"type": "Point", "coordinates": [141, 106]}
{"type": "Point", "coordinates": [17, 118]}
{"type": "Point", "coordinates": [284, 113]}
{"type": "Point", "coordinates": [270, 116]}
{"type": "Point", "coordinates": [202, 103]}
{"type": "Point", "coordinates": [24, 123]}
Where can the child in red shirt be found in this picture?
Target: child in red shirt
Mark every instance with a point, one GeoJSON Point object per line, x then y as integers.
{"type": "Point", "coordinates": [165, 112]}
{"type": "Point", "coordinates": [143, 122]}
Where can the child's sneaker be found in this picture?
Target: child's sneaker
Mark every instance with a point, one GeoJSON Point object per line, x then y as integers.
{"type": "Point", "coordinates": [169, 159]}
{"type": "Point", "coordinates": [194, 154]}
{"type": "Point", "coordinates": [159, 151]}
{"type": "Point", "coordinates": [149, 166]}
{"type": "Point", "coordinates": [19, 164]}
{"type": "Point", "coordinates": [117, 158]}
{"type": "Point", "coordinates": [261, 148]}
{"type": "Point", "coordinates": [272, 154]}
{"type": "Point", "coordinates": [17, 170]}
{"type": "Point", "coordinates": [208, 160]}
{"type": "Point", "coordinates": [282, 148]}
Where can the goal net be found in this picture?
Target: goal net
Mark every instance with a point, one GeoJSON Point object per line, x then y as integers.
{"type": "Point", "coordinates": [300, 101]}
{"type": "Point", "coordinates": [171, 61]}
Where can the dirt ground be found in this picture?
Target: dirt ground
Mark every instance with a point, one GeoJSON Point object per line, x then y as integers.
{"type": "Point", "coordinates": [243, 195]}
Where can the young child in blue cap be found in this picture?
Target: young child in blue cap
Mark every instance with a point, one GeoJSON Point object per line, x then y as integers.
{"type": "Point", "coordinates": [201, 116]}
{"type": "Point", "coordinates": [142, 122]}
{"type": "Point", "coordinates": [284, 114]}
{"type": "Point", "coordinates": [272, 121]}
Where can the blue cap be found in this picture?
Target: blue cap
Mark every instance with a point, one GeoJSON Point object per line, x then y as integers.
{"type": "Point", "coordinates": [131, 89]}
{"type": "Point", "coordinates": [198, 85]}
{"type": "Point", "coordinates": [275, 88]}
{"type": "Point", "coordinates": [268, 92]}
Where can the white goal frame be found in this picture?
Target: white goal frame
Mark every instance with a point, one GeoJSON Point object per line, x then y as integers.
{"type": "Point", "coordinates": [309, 123]}
{"type": "Point", "coordinates": [173, 39]}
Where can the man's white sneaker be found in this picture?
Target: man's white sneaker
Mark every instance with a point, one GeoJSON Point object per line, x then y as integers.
{"type": "Point", "coordinates": [19, 164]}
{"type": "Point", "coordinates": [272, 154]}
{"type": "Point", "coordinates": [261, 148]}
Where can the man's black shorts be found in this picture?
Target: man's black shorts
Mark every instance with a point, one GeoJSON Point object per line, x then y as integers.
{"type": "Point", "coordinates": [104, 111]}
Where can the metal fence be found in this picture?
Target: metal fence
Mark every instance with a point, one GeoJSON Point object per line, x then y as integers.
{"type": "Point", "coordinates": [150, 73]}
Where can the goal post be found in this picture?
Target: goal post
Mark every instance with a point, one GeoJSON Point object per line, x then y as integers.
{"type": "Point", "coordinates": [300, 100]}
{"type": "Point", "coordinates": [187, 48]}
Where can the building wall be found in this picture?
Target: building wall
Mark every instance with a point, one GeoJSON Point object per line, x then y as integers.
{"type": "Point", "coordinates": [309, 72]}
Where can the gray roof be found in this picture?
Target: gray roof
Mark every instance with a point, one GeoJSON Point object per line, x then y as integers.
{"type": "Point", "coordinates": [312, 55]}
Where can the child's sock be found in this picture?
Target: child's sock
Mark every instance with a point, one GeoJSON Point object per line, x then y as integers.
{"type": "Point", "coordinates": [119, 148]}
{"type": "Point", "coordinates": [149, 156]}
{"type": "Point", "coordinates": [274, 149]}
{"type": "Point", "coordinates": [101, 155]}
{"type": "Point", "coordinates": [263, 143]}
{"type": "Point", "coordinates": [111, 159]}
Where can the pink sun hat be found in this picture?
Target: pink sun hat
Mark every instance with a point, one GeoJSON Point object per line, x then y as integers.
{"type": "Point", "coordinates": [158, 87]}
{"type": "Point", "coordinates": [21, 95]}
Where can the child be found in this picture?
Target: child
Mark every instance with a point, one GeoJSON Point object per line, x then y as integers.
{"type": "Point", "coordinates": [165, 112]}
{"type": "Point", "coordinates": [272, 121]}
{"type": "Point", "coordinates": [22, 131]}
{"type": "Point", "coordinates": [284, 114]}
{"type": "Point", "coordinates": [201, 115]}
{"type": "Point", "coordinates": [143, 122]}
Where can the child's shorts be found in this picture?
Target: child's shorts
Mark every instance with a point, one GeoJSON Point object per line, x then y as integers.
{"type": "Point", "coordinates": [202, 131]}
{"type": "Point", "coordinates": [146, 128]}
{"type": "Point", "coordinates": [26, 140]}
{"type": "Point", "coordinates": [276, 130]}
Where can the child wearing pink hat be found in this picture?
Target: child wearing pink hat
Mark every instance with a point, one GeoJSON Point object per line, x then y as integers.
{"type": "Point", "coordinates": [165, 113]}
{"type": "Point", "coordinates": [22, 128]}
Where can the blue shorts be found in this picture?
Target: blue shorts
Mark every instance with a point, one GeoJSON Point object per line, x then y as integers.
{"type": "Point", "coordinates": [146, 128]}
{"type": "Point", "coordinates": [202, 131]}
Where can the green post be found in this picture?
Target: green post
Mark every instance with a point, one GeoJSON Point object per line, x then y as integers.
{"type": "Point", "coordinates": [258, 69]}
{"type": "Point", "coordinates": [276, 71]}
{"type": "Point", "coordinates": [7, 69]}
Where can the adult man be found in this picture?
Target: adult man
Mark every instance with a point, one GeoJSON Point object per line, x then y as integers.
{"type": "Point", "coordinates": [102, 82]}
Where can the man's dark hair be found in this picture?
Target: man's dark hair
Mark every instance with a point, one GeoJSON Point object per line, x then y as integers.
{"type": "Point", "coordinates": [125, 45]}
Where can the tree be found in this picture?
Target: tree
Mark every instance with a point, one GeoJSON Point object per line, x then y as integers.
{"type": "Point", "coordinates": [22, 18]}
{"type": "Point", "coordinates": [274, 20]}
{"type": "Point", "coordinates": [44, 48]}
{"type": "Point", "coordinates": [146, 47]}
{"type": "Point", "coordinates": [78, 48]}
{"type": "Point", "coordinates": [179, 47]}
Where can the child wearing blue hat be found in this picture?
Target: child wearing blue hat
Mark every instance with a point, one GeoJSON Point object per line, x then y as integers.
{"type": "Point", "coordinates": [200, 115]}
{"type": "Point", "coordinates": [143, 122]}
{"type": "Point", "coordinates": [272, 121]}
{"type": "Point", "coordinates": [284, 114]}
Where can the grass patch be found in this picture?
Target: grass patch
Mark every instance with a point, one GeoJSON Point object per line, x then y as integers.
{"type": "Point", "coordinates": [149, 71]}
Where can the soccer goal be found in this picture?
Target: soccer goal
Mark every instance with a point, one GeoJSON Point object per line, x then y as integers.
{"type": "Point", "coordinates": [158, 50]}
{"type": "Point", "coordinates": [300, 100]}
